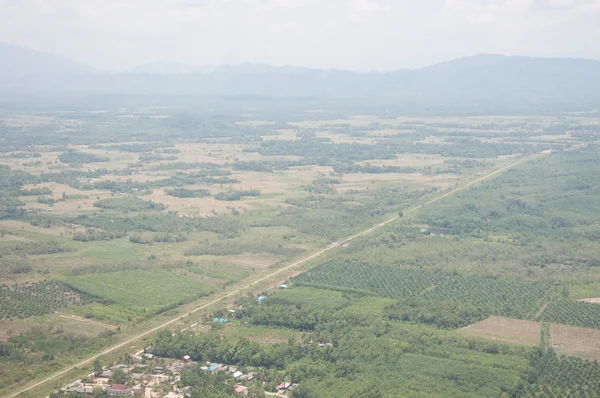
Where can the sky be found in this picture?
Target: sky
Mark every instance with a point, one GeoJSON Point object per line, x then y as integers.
{"type": "Point", "coordinates": [346, 34]}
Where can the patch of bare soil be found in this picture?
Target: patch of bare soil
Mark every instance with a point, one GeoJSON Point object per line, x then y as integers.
{"type": "Point", "coordinates": [575, 341]}
{"type": "Point", "coordinates": [595, 300]}
{"type": "Point", "coordinates": [506, 329]}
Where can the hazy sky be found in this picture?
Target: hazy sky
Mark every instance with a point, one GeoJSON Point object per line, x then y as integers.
{"type": "Point", "coordinates": [347, 34]}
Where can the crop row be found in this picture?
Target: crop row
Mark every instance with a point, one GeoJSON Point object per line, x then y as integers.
{"type": "Point", "coordinates": [24, 300]}
{"type": "Point", "coordinates": [496, 296]}
{"type": "Point", "coordinates": [569, 312]}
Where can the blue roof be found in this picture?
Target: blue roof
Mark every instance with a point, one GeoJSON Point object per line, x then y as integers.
{"type": "Point", "coordinates": [221, 320]}
{"type": "Point", "coordinates": [212, 367]}
{"type": "Point", "coordinates": [261, 298]}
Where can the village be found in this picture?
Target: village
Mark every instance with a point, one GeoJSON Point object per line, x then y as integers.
{"type": "Point", "coordinates": [148, 376]}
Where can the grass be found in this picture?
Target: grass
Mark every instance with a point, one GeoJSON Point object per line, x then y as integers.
{"type": "Point", "coordinates": [588, 290]}
{"type": "Point", "coordinates": [135, 294]}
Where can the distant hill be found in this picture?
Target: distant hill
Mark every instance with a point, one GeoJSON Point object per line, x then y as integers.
{"type": "Point", "coordinates": [17, 62]}
{"type": "Point", "coordinates": [477, 83]}
{"type": "Point", "coordinates": [169, 68]}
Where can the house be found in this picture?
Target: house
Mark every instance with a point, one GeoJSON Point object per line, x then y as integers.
{"type": "Point", "coordinates": [285, 385]}
{"type": "Point", "coordinates": [148, 356]}
{"type": "Point", "coordinates": [237, 374]}
{"type": "Point", "coordinates": [283, 286]}
{"type": "Point", "coordinates": [220, 320]}
{"type": "Point", "coordinates": [212, 368]}
{"type": "Point", "coordinates": [241, 390]}
{"type": "Point", "coordinates": [250, 376]}
{"type": "Point", "coordinates": [186, 358]}
{"type": "Point", "coordinates": [261, 299]}
{"type": "Point", "coordinates": [106, 374]}
{"type": "Point", "coordinates": [119, 390]}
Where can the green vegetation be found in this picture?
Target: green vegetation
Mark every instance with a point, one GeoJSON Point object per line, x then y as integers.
{"type": "Point", "coordinates": [42, 351]}
{"type": "Point", "coordinates": [128, 203]}
{"type": "Point", "coordinates": [222, 248]}
{"type": "Point", "coordinates": [188, 193]}
{"type": "Point", "coordinates": [443, 315]}
{"type": "Point", "coordinates": [489, 295]}
{"type": "Point", "coordinates": [236, 195]}
{"type": "Point", "coordinates": [78, 157]}
{"type": "Point", "coordinates": [35, 192]}
{"type": "Point", "coordinates": [171, 223]}
{"type": "Point", "coordinates": [135, 294]}
{"type": "Point", "coordinates": [38, 298]}
{"type": "Point", "coordinates": [577, 313]}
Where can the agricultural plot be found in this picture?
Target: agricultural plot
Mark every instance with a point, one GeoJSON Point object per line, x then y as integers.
{"type": "Point", "coordinates": [576, 313]}
{"type": "Point", "coordinates": [498, 297]}
{"type": "Point", "coordinates": [568, 377]}
{"type": "Point", "coordinates": [506, 329]}
{"type": "Point", "coordinates": [575, 341]}
{"type": "Point", "coordinates": [38, 298]}
{"type": "Point", "coordinates": [136, 294]}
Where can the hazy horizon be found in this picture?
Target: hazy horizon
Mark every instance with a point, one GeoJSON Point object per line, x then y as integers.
{"type": "Point", "coordinates": [360, 35]}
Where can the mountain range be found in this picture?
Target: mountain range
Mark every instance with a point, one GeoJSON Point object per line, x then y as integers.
{"type": "Point", "coordinates": [484, 77]}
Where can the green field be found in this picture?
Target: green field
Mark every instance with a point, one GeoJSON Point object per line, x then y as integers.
{"type": "Point", "coordinates": [135, 294]}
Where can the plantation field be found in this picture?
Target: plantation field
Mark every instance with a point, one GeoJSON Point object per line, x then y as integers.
{"type": "Point", "coordinates": [494, 296]}
{"type": "Point", "coordinates": [576, 313]}
{"type": "Point", "coordinates": [28, 299]}
{"type": "Point", "coordinates": [136, 294]}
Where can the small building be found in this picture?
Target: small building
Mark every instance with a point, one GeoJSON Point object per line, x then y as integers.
{"type": "Point", "coordinates": [119, 390]}
{"type": "Point", "coordinates": [285, 385]}
{"type": "Point", "coordinates": [148, 356]}
{"type": "Point", "coordinates": [186, 358]}
{"type": "Point", "coordinates": [237, 374]}
{"type": "Point", "coordinates": [105, 374]}
{"type": "Point", "coordinates": [283, 286]}
{"type": "Point", "coordinates": [241, 390]}
{"type": "Point", "coordinates": [212, 368]}
{"type": "Point", "coordinates": [220, 320]}
{"type": "Point", "coordinates": [250, 376]}
{"type": "Point", "coordinates": [261, 299]}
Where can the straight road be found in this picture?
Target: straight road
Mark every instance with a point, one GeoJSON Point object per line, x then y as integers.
{"type": "Point", "coordinates": [275, 273]}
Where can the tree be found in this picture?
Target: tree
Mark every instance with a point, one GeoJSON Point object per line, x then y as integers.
{"type": "Point", "coordinates": [97, 366]}
{"type": "Point", "coordinates": [119, 377]}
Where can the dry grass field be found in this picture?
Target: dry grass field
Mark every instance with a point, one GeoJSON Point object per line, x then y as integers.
{"type": "Point", "coordinates": [506, 329]}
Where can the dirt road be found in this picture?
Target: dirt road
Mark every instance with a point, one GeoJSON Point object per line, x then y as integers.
{"type": "Point", "coordinates": [274, 273]}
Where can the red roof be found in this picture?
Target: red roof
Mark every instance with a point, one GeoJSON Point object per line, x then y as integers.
{"type": "Point", "coordinates": [118, 387]}
{"type": "Point", "coordinates": [240, 389]}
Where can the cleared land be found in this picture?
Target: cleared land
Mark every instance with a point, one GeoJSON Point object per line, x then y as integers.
{"type": "Point", "coordinates": [575, 341]}
{"type": "Point", "coordinates": [506, 329]}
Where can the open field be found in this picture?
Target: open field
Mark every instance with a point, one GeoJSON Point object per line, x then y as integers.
{"type": "Point", "coordinates": [136, 293]}
{"type": "Point", "coordinates": [506, 329]}
{"type": "Point", "coordinates": [575, 341]}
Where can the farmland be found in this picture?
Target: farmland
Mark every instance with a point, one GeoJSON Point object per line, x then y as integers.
{"type": "Point", "coordinates": [135, 293]}
{"type": "Point", "coordinates": [493, 296]}
{"type": "Point", "coordinates": [132, 223]}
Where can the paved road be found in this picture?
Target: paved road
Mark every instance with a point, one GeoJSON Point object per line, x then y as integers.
{"type": "Point", "coordinates": [275, 273]}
